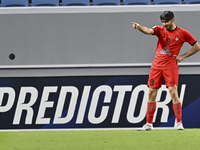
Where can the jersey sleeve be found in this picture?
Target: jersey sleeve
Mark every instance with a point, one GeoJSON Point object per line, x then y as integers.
{"type": "Point", "coordinates": [156, 30]}
{"type": "Point", "coordinates": [189, 38]}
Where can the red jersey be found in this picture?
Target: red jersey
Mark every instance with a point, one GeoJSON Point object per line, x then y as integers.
{"type": "Point", "coordinates": [169, 44]}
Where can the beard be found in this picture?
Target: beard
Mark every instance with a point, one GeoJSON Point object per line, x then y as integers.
{"type": "Point", "coordinates": [168, 27]}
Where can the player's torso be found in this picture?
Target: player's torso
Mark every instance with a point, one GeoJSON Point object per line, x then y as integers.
{"type": "Point", "coordinates": [169, 44]}
{"type": "Point", "coordinates": [171, 40]}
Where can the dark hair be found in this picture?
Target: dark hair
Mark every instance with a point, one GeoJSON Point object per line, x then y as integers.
{"type": "Point", "coordinates": [167, 15]}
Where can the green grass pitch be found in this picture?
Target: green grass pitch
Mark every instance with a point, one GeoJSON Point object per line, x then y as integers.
{"type": "Point", "coordinates": [160, 139]}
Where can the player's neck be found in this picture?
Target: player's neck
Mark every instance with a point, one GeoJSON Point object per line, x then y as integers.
{"type": "Point", "coordinates": [173, 27]}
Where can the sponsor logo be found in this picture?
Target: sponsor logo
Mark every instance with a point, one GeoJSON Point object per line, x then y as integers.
{"type": "Point", "coordinates": [166, 51]}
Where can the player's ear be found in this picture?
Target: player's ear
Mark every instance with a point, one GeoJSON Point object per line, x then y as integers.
{"type": "Point", "coordinates": [173, 19]}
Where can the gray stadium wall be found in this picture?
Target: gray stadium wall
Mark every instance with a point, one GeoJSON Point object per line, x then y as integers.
{"type": "Point", "coordinates": [91, 40]}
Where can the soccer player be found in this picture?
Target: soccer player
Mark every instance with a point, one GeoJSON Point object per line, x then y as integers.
{"type": "Point", "coordinates": [165, 63]}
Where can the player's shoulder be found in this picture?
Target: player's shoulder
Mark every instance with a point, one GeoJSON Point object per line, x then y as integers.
{"type": "Point", "coordinates": [182, 29]}
{"type": "Point", "coordinates": [157, 29]}
{"type": "Point", "coordinates": [156, 26]}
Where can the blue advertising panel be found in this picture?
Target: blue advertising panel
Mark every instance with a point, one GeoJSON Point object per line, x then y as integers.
{"type": "Point", "coordinates": [92, 102]}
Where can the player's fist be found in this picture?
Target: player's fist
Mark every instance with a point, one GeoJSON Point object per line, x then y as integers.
{"type": "Point", "coordinates": [135, 25]}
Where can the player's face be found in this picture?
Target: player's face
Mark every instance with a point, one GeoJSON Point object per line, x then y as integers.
{"type": "Point", "coordinates": [167, 24]}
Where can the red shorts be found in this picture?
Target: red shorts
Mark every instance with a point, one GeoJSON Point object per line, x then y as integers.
{"type": "Point", "coordinates": [157, 76]}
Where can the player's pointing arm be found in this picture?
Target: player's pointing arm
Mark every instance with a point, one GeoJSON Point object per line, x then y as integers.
{"type": "Point", "coordinates": [143, 29]}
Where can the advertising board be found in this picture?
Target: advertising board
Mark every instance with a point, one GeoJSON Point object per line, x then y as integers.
{"type": "Point", "coordinates": [92, 102]}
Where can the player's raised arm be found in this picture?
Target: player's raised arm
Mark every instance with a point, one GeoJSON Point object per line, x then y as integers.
{"type": "Point", "coordinates": [143, 29]}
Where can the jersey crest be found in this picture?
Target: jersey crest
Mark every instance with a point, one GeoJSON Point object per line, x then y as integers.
{"type": "Point", "coordinates": [177, 39]}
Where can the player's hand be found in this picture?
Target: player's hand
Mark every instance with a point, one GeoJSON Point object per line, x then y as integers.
{"type": "Point", "coordinates": [178, 58]}
{"type": "Point", "coordinates": [135, 25]}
